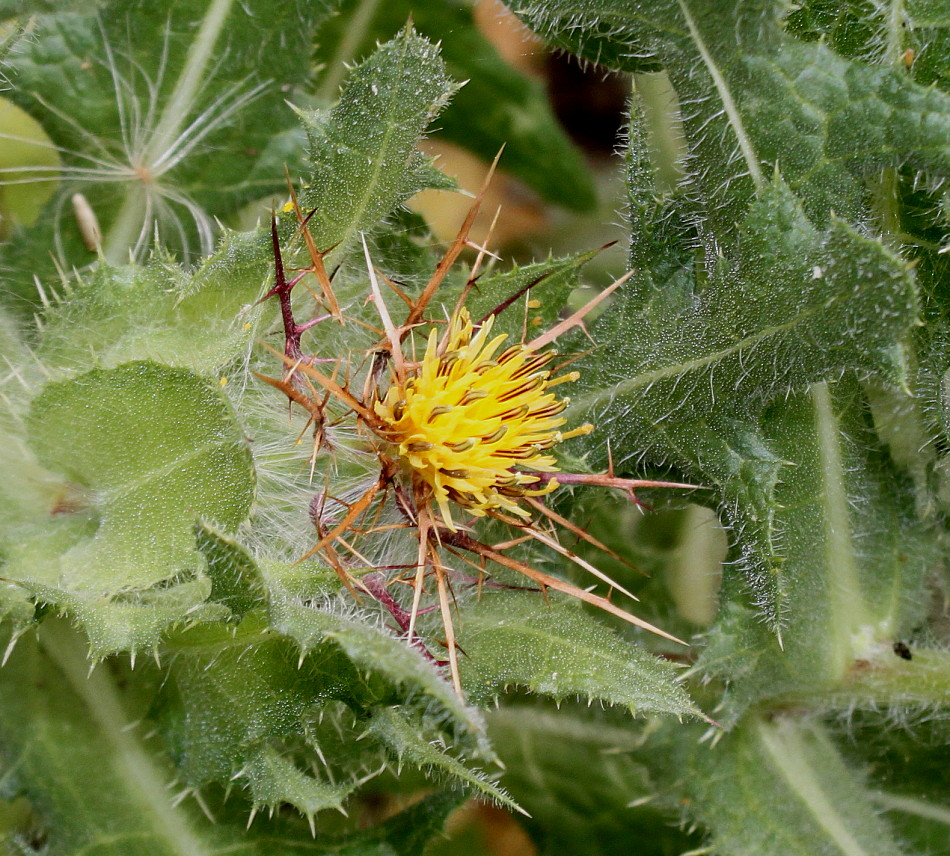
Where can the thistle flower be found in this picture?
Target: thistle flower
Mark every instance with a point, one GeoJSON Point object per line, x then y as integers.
{"type": "Point", "coordinates": [472, 415]}
{"type": "Point", "coordinates": [467, 431]}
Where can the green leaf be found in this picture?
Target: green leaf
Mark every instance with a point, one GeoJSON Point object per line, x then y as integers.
{"type": "Point", "coordinates": [793, 305]}
{"type": "Point", "coordinates": [914, 33]}
{"type": "Point", "coordinates": [363, 153]}
{"type": "Point", "coordinates": [261, 705]}
{"type": "Point", "coordinates": [780, 787]}
{"type": "Point", "coordinates": [759, 101]}
{"type": "Point", "coordinates": [142, 451]}
{"type": "Point", "coordinates": [559, 650]}
{"type": "Point", "coordinates": [409, 743]}
{"type": "Point", "coordinates": [498, 105]}
{"type": "Point", "coordinates": [236, 581]}
{"type": "Point", "coordinates": [852, 561]}
{"type": "Point", "coordinates": [680, 365]}
{"type": "Point", "coordinates": [584, 783]}
{"type": "Point", "coordinates": [551, 284]}
{"type": "Point", "coordinates": [157, 312]}
{"type": "Point", "coordinates": [408, 832]}
{"type": "Point", "coordinates": [58, 722]}
{"type": "Point", "coordinates": [274, 779]}
{"type": "Point", "coordinates": [183, 112]}
{"type": "Point", "coordinates": [907, 766]}
{"type": "Point", "coordinates": [375, 651]}
{"type": "Point", "coordinates": [235, 703]}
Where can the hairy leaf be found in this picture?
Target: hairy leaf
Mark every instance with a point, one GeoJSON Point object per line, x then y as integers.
{"type": "Point", "coordinates": [755, 100]}
{"type": "Point", "coordinates": [59, 722]}
{"type": "Point", "coordinates": [560, 651]}
{"type": "Point", "coordinates": [234, 694]}
{"type": "Point", "coordinates": [141, 452]}
{"type": "Point", "coordinates": [780, 787]}
{"type": "Point", "coordinates": [409, 743]}
{"type": "Point", "coordinates": [852, 558]}
{"type": "Point", "coordinates": [363, 155]}
{"type": "Point", "coordinates": [793, 305]}
{"type": "Point", "coordinates": [498, 105]}
{"type": "Point", "coordinates": [157, 312]}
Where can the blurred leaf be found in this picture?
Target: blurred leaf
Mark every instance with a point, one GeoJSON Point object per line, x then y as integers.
{"type": "Point", "coordinates": [905, 766]}
{"type": "Point", "coordinates": [408, 832]}
{"type": "Point", "coordinates": [16, 8]}
{"type": "Point", "coordinates": [142, 451]}
{"type": "Point", "coordinates": [583, 783]}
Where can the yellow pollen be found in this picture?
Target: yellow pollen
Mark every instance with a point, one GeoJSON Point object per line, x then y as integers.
{"type": "Point", "coordinates": [468, 421]}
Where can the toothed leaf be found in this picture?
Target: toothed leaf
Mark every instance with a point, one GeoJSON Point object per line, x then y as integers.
{"type": "Point", "coordinates": [376, 652]}
{"type": "Point", "coordinates": [274, 779]}
{"type": "Point", "coordinates": [157, 312]}
{"type": "Point", "coordinates": [794, 305]}
{"type": "Point", "coordinates": [410, 744]}
{"type": "Point", "coordinates": [363, 152]}
{"type": "Point", "coordinates": [58, 722]}
{"type": "Point", "coordinates": [560, 651]}
{"type": "Point", "coordinates": [750, 90]}
{"type": "Point", "coordinates": [853, 558]}
{"type": "Point", "coordinates": [499, 106]}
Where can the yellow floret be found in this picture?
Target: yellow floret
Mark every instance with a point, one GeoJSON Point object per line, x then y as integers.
{"type": "Point", "coordinates": [470, 419]}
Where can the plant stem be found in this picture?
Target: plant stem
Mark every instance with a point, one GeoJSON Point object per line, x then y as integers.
{"type": "Point", "coordinates": [146, 780]}
{"type": "Point", "coordinates": [881, 683]}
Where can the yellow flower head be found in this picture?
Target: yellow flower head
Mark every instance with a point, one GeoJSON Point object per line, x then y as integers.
{"type": "Point", "coordinates": [471, 417]}
{"type": "Point", "coordinates": [472, 425]}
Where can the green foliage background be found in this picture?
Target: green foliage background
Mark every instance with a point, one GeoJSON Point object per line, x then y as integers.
{"type": "Point", "coordinates": [783, 342]}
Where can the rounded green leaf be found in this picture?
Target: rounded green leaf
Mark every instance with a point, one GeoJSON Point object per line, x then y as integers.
{"type": "Point", "coordinates": [144, 450]}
